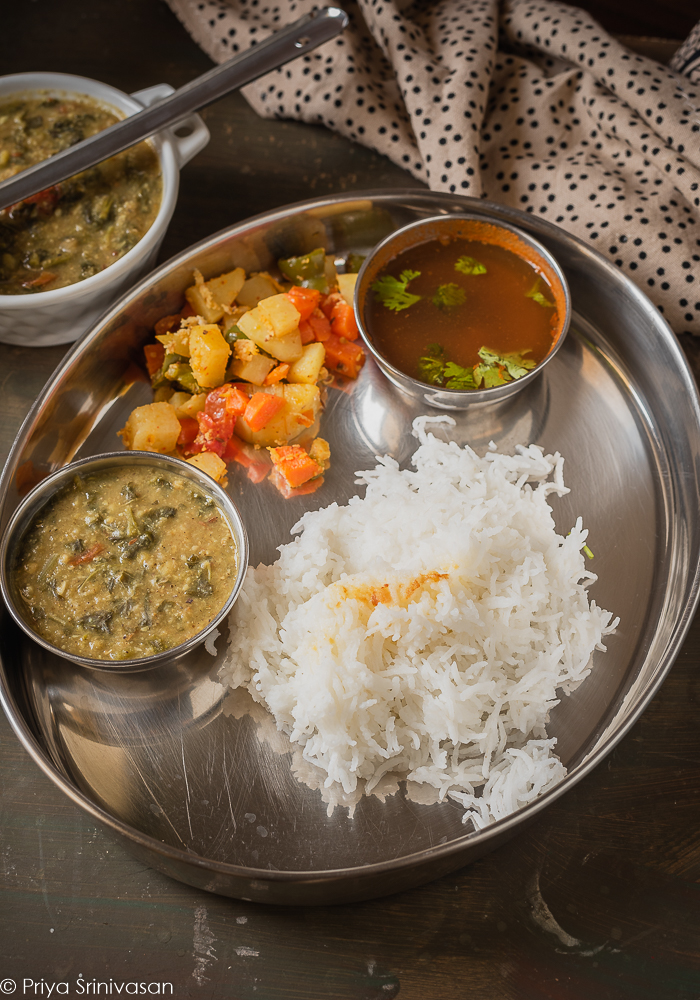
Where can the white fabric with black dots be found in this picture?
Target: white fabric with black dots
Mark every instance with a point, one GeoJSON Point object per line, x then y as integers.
{"type": "Point", "coordinates": [528, 102]}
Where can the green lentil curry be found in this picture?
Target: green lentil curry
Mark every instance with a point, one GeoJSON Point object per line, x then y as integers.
{"type": "Point", "coordinates": [125, 563]}
{"type": "Point", "coordinates": [79, 227]}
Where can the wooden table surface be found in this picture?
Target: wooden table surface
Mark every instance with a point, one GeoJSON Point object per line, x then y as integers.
{"type": "Point", "coordinates": [600, 897]}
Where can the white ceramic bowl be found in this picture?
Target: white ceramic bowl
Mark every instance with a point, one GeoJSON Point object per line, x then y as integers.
{"type": "Point", "coordinates": [61, 315]}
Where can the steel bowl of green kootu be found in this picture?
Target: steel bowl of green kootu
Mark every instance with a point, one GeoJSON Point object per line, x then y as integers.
{"type": "Point", "coordinates": [123, 562]}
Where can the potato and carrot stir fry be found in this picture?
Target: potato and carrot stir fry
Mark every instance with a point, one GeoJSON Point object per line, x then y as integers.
{"type": "Point", "coordinates": [237, 373]}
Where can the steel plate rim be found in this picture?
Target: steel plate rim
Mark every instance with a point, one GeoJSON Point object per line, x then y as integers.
{"type": "Point", "coordinates": [525, 813]}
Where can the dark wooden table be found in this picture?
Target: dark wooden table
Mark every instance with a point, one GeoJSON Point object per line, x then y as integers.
{"type": "Point", "coordinates": [599, 898]}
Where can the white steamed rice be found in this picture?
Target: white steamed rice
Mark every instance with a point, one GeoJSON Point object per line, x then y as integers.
{"type": "Point", "coordinates": [426, 629]}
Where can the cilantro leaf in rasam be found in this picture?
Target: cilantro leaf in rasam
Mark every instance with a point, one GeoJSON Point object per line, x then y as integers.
{"type": "Point", "coordinates": [516, 365]}
{"type": "Point", "coordinates": [537, 296]}
{"type": "Point", "coordinates": [458, 377]}
{"type": "Point", "coordinates": [393, 292]}
{"type": "Point", "coordinates": [497, 369]}
{"type": "Point", "coordinates": [431, 366]}
{"type": "Point", "coordinates": [449, 295]}
{"type": "Point", "coordinates": [470, 265]}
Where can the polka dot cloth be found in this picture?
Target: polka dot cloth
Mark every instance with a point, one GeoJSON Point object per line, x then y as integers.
{"type": "Point", "coordinates": [528, 103]}
{"type": "Point", "coordinates": [687, 58]}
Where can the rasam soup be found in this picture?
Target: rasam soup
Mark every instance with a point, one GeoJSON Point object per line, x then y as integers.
{"type": "Point", "coordinates": [462, 314]}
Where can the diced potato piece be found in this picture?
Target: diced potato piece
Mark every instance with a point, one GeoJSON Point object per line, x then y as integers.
{"type": "Point", "coordinates": [254, 325]}
{"type": "Point", "coordinates": [154, 427]}
{"type": "Point", "coordinates": [244, 348]}
{"type": "Point", "coordinates": [302, 404]}
{"type": "Point", "coordinates": [280, 313]}
{"type": "Point", "coordinates": [257, 287]}
{"type": "Point", "coordinates": [226, 287]}
{"type": "Point", "coordinates": [209, 354]}
{"type": "Point", "coordinates": [286, 349]}
{"type": "Point", "coordinates": [303, 397]}
{"type": "Point", "coordinates": [308, 367]}
{"type": "Point", "coordinates": [276, 431]}
{"type": "Point", "coordinates": [210, 298]}
{"type": "Point", "coordinates": [192, 406]}
{"type": "Point", "coordinates": [177, 399]}
{"type": "Point", "coordinates": [202, 301]}
{"type": "Point", "coordinates": [346, 287]}
{"type": "Point", "coordinates": [185, 405]}
{"type": "Point", "coordinates": [260, 330]}
{"type": "Point", "coordinates": [233, 316]}
{"type": "Point", "coordinates": [210, 463]}
{"type": "Point", "coordinates": [304, 401]}
{"type": "Point", "coordinates": [320, 451]}
{"type": "Point", "coordinates": [177, 342]}
{"type": "Point", "coordinates": [254, 369]}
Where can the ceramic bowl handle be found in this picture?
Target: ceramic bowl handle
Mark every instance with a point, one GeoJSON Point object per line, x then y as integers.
{"type": "Point", "coordinates": [185, 145]}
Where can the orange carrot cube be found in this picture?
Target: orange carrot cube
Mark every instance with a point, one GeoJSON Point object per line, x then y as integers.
{"type": "Point", "coordinates": [304, 300]}
{"type": "Point", "coordinates": [295, 465]}
{"type": "Point", "coordinates": [343, 356]}
{"type": "Point", "coordinates": [261, 408]}
{"type": "Point", "coordinates": [154, 354]}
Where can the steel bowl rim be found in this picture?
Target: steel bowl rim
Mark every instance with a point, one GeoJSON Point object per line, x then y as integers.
{"type": "Point", "coordinates": [30, 505]}
{"type": "Point", "coordinates": [414, 196]}
{"type": "Point", "coordinates": [459, 399]}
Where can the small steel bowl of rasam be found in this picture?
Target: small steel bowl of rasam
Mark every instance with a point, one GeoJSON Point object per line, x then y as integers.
{"type": "Point", "coordinates": [123, 561]}
{"type": "Point", "coordinates": [460, 310]}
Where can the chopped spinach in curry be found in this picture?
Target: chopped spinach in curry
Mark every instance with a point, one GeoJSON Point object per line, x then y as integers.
{"type": "Point", "coordinates": [79, 227]}
{"type": "Point", "coordinates": [125, 563]}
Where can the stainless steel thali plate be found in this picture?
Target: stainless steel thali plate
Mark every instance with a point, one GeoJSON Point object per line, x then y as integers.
{"type": "Point", "coordinates": [201, 786]}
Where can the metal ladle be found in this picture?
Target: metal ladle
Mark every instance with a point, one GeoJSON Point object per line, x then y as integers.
{"type": "Point", "coordinates": [296, 40]}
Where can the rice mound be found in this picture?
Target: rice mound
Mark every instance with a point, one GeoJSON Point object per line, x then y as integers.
{"type": "Point", "coordinates": [426, 628]}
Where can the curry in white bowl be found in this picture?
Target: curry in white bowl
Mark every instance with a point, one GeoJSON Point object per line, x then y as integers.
{"type": "Point", "coordinates": [75, 229]}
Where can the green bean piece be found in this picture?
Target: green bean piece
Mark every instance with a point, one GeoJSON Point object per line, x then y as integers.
{"type": "Point", "coordinates": [308, 270]}
{"type": "Point", "coordinates": [159, 379]}
{"type": "Point", "coordinates": [354, 263]}
{"type": "Point", "coordinates": [183, 375]}
{"type": "Point", "coordinates": [59, 621]}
